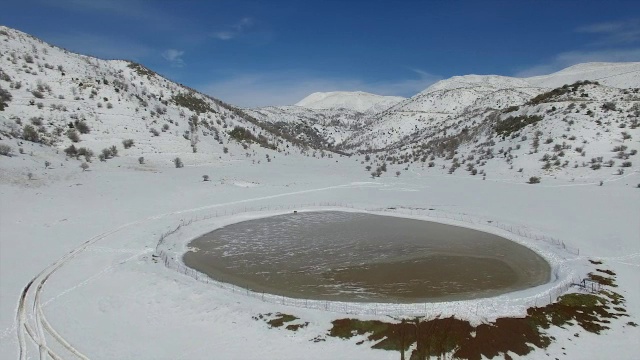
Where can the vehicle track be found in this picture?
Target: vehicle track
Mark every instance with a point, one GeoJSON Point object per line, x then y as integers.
{"type": "Point", "coordinates": [43, 328]}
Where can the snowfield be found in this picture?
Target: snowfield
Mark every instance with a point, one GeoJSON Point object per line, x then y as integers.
{"type": "Point", "coordinates": [113, 301]}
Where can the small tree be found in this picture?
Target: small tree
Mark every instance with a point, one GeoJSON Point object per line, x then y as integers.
{"type": "Point", "coordinates": [178, 162]}
{"type": "Point", "coordinates": [534, 180]}
{"type": "Point", "coordinates": [84, 166]}
{"type": "Point", "coordinates": [205, 177]}
{"type": "Point", "coordinates": [141, 160]}
{"type": "Point", "coordinates": [47, 164]}
{"type": "Point", "coordinates": [397, 173]}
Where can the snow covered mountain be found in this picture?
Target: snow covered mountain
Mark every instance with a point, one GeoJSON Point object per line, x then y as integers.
{"type": "Point", "coordinates": [78, 103]}
{"type": "Point", "coordinates": [357, 101]}
{"type": "Point", "coordinates": [95, 108]}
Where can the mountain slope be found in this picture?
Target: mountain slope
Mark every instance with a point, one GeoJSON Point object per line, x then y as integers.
{"type": "Point", "coordinates": [60, 99]}
{"type": "Point", "coordinates": [355, 101]}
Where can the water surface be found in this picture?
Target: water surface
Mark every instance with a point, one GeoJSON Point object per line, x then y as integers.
{"type": "Point", "coordinates": [363, 257]}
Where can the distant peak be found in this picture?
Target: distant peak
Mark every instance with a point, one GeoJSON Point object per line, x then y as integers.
{"type": "Point", "coordinates": [353, 100]}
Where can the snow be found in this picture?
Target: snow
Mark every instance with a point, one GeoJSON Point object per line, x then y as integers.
{"type": "Point", "coordinates": [620, 75]}
{"type": "Point", "coordinates": [357, 100]}
{"type": "Point", "coordinates": [91, 234]}
{"type": "Point", "coordinates": [112, 301]}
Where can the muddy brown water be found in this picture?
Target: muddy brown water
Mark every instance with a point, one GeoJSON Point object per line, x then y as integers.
{"type": "Point", "coordinates": [361, 257]}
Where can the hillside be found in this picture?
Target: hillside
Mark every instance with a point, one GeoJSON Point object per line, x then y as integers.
{"type": "Point", "coordinates": [72, 102]}
{"type": "Point", "coordinates": [92, 109]}
{"type": "Point", "coordinates": [356, 101]}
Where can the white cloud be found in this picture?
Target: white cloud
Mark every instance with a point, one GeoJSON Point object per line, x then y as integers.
{"type": "Point", "coordinates": [224, 35]}
{"type": "Point", "coordinates": [234, 30]}
{"type": "Point", "coordinates": [174, 57]}
{"type": "Point", "coordinates": [617, 32]}
{"type": "Point", "coordinates": [289, 87]}
{"type": "Point", "coordinates": [569, 58]}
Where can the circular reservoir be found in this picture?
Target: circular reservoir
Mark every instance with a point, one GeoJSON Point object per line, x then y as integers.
{"type": "Point", "coordinates": [348, 256]}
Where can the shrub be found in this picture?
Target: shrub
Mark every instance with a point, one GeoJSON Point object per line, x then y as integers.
{"type": "Point", "coordinates": [192, 102]}
{"type": "Point", "coordinates": [165, 127]}
{"type": "Point", "coordinates": [5, 98]}
{"type": "Point", "coordinates": [47, 164]}
{"type": "Point", "coordinates": [37, 94]}
{"type": "Point", "coordinates": [626, 164]}
{"type": "Point", "coordinates": [178, 162]}
{"type": "Point", "coordinates": [108, 153]}
{"type": "Point", "coordinates": [71, 151]}
{"type": "Point", "coordinates": [205, 177]}
{"type": "Point", "coordinates": [82, 127]}
{"type": "Point", "coordinates": [127, 143]}
{"type": "Point", "coordinates": [596, 166]}
{"type": "Point", "coordinates": [109, 105]}
{"type": "Point", "coordinates": [154, 132]}
{"type": "Point", "coordinates": [609, 106]}
{"type": "Point", "coordinates": [141, 160]}
{"type": "Point", "coordinates": [28, 58]}
{"type": "Point", "coordinates": [534, 180]}
{"type": "Point", "coordinates": [5, 150]}
{"type": "Point", "coordinates": [84, 166]}
{"type": "Point", "coordinates": [513, 124]}
{"type": "Point", "coordinates": [73, 135]}
{"type": "Point", "coordinates": [225, 150]}
{"type": "Point", "coordinates": [29, 133]}
{"type": "Point", "coordinates": [87, 153]}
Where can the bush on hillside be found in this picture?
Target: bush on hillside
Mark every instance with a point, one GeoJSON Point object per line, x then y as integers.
{"type": "Point", "coordinates": [5, 150]}
{"type": "Point", "coordinates": [73, 135]}
{"type": "Point", "coordinates": [30, 133]}
{"type": "Point", "coordinates": [513, 124]}
{"type": "Point", "coordinates": [5, 98]}
{"type": "Point", "coordinates": [192, 102]}
{"type": "Point", "coordinates": [82, 127]}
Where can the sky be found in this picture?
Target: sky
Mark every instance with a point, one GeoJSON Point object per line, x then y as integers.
{"type": "Point", "coordinates": [276, 52]}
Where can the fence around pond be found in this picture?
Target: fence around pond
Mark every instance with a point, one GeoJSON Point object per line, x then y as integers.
{"type": "Point", "coordinates": [493, 305]}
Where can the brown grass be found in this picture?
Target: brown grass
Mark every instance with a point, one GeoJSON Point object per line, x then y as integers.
{"type": "Point", "coordinates": [437, 337]}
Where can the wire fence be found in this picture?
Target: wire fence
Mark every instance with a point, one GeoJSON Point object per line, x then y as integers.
{"type": "Point", "coordinates": [493, 305]}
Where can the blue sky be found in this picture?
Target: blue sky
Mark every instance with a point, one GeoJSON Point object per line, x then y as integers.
{"type": "Point", "coordinates": [255, 53]}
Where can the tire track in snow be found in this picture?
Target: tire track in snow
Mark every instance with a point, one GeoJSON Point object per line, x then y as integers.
{"type": "Point", "coordinates": [42, 325]}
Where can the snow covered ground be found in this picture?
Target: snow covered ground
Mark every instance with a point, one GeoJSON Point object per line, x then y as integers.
{"type": "Point", "coordinates": [111, 300]}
